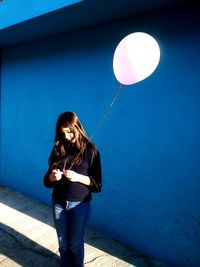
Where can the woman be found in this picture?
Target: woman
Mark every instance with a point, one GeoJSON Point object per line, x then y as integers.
{"type": "Point", "coordinates": [74, 173]}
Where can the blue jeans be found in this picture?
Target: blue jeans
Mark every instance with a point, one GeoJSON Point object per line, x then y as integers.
{"type": "Point", "coordinates": [70, 220]}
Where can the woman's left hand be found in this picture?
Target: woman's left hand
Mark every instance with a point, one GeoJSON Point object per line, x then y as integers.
{"type": "Point", "coordinates": [72, 176]}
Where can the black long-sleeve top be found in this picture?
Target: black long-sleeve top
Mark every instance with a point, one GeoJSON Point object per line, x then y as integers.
{"type": "Point", "coordinates": [75, 191]}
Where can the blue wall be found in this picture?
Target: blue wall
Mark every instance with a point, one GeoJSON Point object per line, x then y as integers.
{"type": "Point", "coordinates": [149, 143]}
{"type": "Point", "coordinates": [0, 116]}
{"type": "Point", "coordinates": [17, 11]}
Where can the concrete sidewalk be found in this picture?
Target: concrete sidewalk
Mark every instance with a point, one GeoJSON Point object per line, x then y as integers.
{"type": "Point", "coordinates": [28, 238]}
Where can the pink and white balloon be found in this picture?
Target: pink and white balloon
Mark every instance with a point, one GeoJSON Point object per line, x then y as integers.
{"type": "Point", "coordinates": [135, 58]}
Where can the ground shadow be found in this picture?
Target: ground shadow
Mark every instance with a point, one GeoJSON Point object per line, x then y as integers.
{"type": "Point", "coordinates": [42, 213]}
{"type": "Point", "coordinates": [20, 249]}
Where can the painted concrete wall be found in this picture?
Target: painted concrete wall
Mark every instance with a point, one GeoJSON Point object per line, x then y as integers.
{"type": "Point", "coordinates": [0, 116]}
{"type": "Point", "coordinates": [149, 143]}
{"type": "Point", "coordinates": [17, 11]}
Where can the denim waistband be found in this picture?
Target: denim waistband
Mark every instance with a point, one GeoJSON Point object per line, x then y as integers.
{"type": "Point", "coordinates": [72, 204]}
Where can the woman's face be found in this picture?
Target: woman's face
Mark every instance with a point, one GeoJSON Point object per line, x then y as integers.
{"type": "Point", "coordinates": [67, 134]}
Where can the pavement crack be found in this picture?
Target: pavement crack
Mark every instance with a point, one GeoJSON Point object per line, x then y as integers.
{"type": "Point", "coordinates": [2, 261]}
{"type": "Point", "coordinates": [92, 260]}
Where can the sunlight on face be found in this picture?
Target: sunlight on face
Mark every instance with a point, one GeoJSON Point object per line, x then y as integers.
{"type": "Point", "coordinates": [67, 134]}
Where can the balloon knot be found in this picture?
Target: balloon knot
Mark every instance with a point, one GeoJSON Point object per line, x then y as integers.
{"type": "Point", "coordinates": [120, 86]}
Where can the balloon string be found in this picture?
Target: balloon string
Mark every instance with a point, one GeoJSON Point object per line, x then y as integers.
{"type": "Point", "coordinates": [99, 124]}
{"type": "Point", "coordinates": [106, 113]}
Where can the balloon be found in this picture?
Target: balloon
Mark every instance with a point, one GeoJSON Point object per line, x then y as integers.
{"type": "Point", "coordinates": [135, 58]}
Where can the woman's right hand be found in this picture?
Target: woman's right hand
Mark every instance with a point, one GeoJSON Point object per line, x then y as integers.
{"type": "Point", "coordinates": [56, 175]}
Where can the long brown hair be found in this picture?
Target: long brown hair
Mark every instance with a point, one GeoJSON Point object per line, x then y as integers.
{"type": "Point", "coordinates": [63, 151]}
